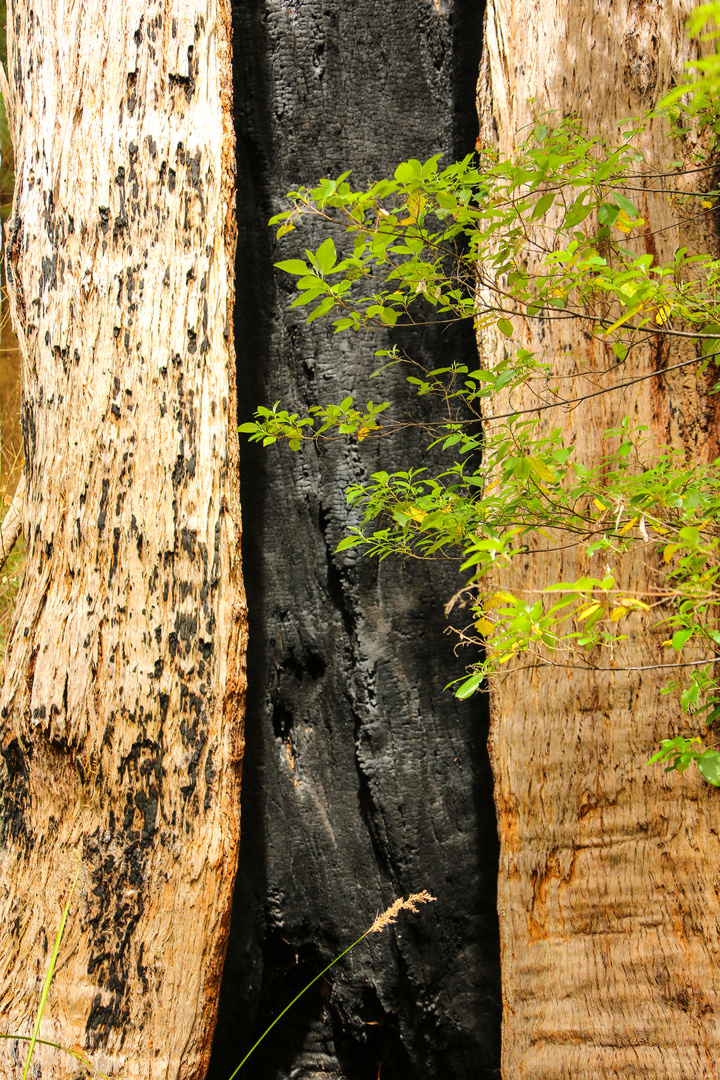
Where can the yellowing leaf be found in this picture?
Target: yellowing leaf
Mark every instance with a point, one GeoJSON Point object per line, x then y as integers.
{"type": "Point", "coordinates": [600, 506]}
{"type": "Point", "coordinates": [628, 315]}
{"type": "Point", "coordinates": [363, 433]}
{"type": "Point", "coordinates": [617, 613]}
{"type": "Point", "coordinates": [589, 611]}
{"type": "Point", "coordinates": [540, 468]}
{"type": "Point", "coordinates": [417, 514]}
{"type": "Point", "coordinates": [484, 627]}
{"type": "Point", "coordinates": [661, 315]}
{"type": "Point", "coordinates": [626, 528]}
{"type": "Point", "coordinates": [669, 551]}
{"type": "Point", "coordinates": [498, 599]}
{"type": "Point", "coordinates": [633, 604]}
{"type": "Point", "coordinates": [625, 224]}
{"type": "Point", "coordinates": [415, 205]}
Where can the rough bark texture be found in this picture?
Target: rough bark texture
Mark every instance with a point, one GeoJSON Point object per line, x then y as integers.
{"type": "Point", "coordinates": [121, 710]}
{"type": "Point", "coordinates": [608, 888]}
{"type": "Point", "coordinates": [363, 779]}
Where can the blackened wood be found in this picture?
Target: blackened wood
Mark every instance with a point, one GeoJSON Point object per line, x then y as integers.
{"type": "Point", "coordinates": [363, 780]}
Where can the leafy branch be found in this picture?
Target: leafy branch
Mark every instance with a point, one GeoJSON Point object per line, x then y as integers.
{"type": "Point", "coordinates": [547, 234]}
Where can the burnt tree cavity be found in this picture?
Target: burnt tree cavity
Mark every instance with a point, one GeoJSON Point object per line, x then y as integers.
{"type": "Point", "coordinates": [362, 779]}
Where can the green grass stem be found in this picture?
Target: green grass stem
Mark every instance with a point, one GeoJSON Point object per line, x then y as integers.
{"type": "Point", "coordinates": [48, 980]}
{"type": "Point", "coordinates": [297, 996]}
{"type": "Point", "coordinates": [56, 1046]}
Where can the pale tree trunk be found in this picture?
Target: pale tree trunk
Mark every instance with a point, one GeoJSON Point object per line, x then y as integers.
{"type": "Point", "coordinates": [608, 900]}
{"type": "Point", "coordinates": [121, 711]}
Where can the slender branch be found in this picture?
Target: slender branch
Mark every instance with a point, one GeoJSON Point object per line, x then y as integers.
{"type": "Point", "coordinates": [11, 526]}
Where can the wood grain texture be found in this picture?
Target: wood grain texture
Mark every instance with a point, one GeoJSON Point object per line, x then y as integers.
{"type": "Point", "coordinates": [121, 712]}
{"type": "Point", "coordinates": [609, 888]}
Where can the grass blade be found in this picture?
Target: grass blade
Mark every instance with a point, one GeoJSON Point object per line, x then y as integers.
{"type": "Point", "coordinates": [48, 980]}
{"type": "Point", "coordinates": [56, 1046]}
{"type": "Point", "coordinates": [385, 919]}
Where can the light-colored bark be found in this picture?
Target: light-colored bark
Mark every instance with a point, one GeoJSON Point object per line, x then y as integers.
{"type": "Point", "coordinates": [609, 883]}
{"type": "Point", "coordinates": [121, 729]}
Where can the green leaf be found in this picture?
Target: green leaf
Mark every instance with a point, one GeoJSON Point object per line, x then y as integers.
{"type": "Point", "coordinates": [541, 470]}
{"type": "Point", "coordinates": [505, 327]}
{"type": "Point", "coordinates": [690, 535]}
{"type": "Point", "coordinates": [347, 542]}
{"type": "Point", "coordinates": [407, 171]}
{"type": "Point", "coordinates": [626, 205]}
{"type": "Point", "coordinates": [326, 256]}
{"type": "Point", "coordinates": [607, 213]}
{"type": "Point", "coordinates": [294, 266]}
{"type": "Point", "coordinates": [679, 638]}
{"type": "Point", "coordinates": [468, 688]}
{"type": "Point", "coordinates": [709, 765]}
{"type": "Point", "coordinates": [542, 206]}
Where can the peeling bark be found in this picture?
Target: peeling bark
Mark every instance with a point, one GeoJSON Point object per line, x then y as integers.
{"type": "Point", "coordinates": [121, 730]}
{"type": "Point", "coordinates": [608, 889]}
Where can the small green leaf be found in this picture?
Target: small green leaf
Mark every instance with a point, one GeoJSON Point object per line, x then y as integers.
{"type": "Point", "coordinates": [505, 327]}
{"type": "Point", "coordinates": [607, 213]}
{"type": "Point", "coordinates": [679, 638]}
{"type": "Point", "coordinates": [347, 542]}
{"type": "Point", "coordinates": [542, 206]}
{"type": "Point", "coordinates": [690, 535]}
{"type": "Point", "coordinates": [709, 765]}
{"type": "Point", "coordinates": [326, 256]}
{"type": "Point", "coordinates": [294, 266]}
{"type": "Point", "coordinates": [468, 688]}
{"type": "Point", "coordinates": [626, 205]}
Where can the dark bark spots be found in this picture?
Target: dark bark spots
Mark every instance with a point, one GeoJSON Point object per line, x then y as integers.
{"type": "Point", "coordinates": [102, 516]}
{"type": "Point", "coordinates": [27, 423]}
{"type": "Point", "coordinates": [14, 793]}
{"type": "Point", "coordinates": [185, 82]}
{"type": "Point", "coordinates": [48, 273]}
{"type": "Point", "coordinates": [209, 778]}
{"type": "Point", "coordinates": [104, 212]}
{"type": "Point", "coordinates": [12, 260]}
{"type": "Point", "coordinates": [115, 554]}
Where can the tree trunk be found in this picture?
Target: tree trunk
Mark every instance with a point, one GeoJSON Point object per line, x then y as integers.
{"type": "Point", "coordinates": [363, 779]}
{"type": "Point", "coordinates": [121, 711]}
{"type": "Point", "coordinates": [608, 901]}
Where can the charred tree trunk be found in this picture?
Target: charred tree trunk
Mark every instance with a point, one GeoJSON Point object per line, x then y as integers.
{"type": "Point", "coordinates": [363, 779]}
{"type": "Point", "coordinates": [607, 891]}
{"type": "Point", "coordinates": [121, 710]}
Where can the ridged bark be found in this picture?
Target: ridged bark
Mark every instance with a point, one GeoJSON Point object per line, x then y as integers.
{"type": "Point", "coordinates": [121, 729]}
{"type": "Point", "coordinates": [608, 890]}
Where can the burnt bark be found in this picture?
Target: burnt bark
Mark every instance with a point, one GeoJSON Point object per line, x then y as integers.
{"type": "Point", "coordinates": [363, 779]}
